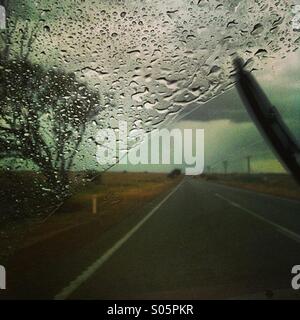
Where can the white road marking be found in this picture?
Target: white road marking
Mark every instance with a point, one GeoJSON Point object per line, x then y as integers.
{"type": "Point", "coordinates": [86, 274]}
{"type": "Point", "coordinates": [288, 233]}
{"type": "Point", "coordinates": [253, 192]}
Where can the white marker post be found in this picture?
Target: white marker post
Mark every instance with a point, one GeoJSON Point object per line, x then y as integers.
{"type": "Point", "coordinates": [94, 204]}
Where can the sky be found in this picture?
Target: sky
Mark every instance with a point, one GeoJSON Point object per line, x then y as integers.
{"type": "Point", "coordinates": [162, 61]}
{"type": "Point", "coordinates": [230, 134]}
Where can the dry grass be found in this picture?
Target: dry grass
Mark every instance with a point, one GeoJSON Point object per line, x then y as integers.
{"type": "Point", "coordinates": [118, 195]}
{"type": "Point", "coordinates": [281, 185]}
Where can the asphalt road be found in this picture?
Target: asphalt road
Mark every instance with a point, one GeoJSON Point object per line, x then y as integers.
{"type": "Point", "coordinates": [201, 241]}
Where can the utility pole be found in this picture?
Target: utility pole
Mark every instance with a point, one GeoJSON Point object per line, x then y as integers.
{"type": "Point", "coordinates": [248, 164]}
{"type": "Point", "coordinates": [225, 165]}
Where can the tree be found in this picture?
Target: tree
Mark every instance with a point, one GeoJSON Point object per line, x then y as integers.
{"type": "Point", "coordinates": [19, 31]}
{"type": "Point", "coordinates": [43, 112]}
{"type": "Point", "coordinates": [43, 118]}
{"type": "Point", "coordinates": [174, 173]}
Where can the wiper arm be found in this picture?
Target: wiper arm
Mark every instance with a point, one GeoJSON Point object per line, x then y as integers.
{"type": "Point", "coordinates": [268, 120]}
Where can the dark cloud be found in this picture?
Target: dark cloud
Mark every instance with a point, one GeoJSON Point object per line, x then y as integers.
{"type": "Point", "coordinates": [226, 106]}
{"type": "Point", "coordinates": [229, 106]}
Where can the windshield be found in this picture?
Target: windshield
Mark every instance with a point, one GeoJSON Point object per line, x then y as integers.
{"type": "Point", "coordinates": [87, 90]}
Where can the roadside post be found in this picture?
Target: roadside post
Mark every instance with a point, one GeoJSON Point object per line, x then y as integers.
{"type": "Point", "coordinates": [94, 204]}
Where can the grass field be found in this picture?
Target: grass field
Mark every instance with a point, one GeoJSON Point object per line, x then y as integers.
{"type": "Point", "coordinates": [282, 185]}
{"type": "Point", "coordinates": [117, 195]}
{"type": "Point", "coordinates": [29, 214]}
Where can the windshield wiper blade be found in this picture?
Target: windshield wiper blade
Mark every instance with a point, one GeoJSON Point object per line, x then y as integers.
{"type": "Point", "coordinates": [268, 120]}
